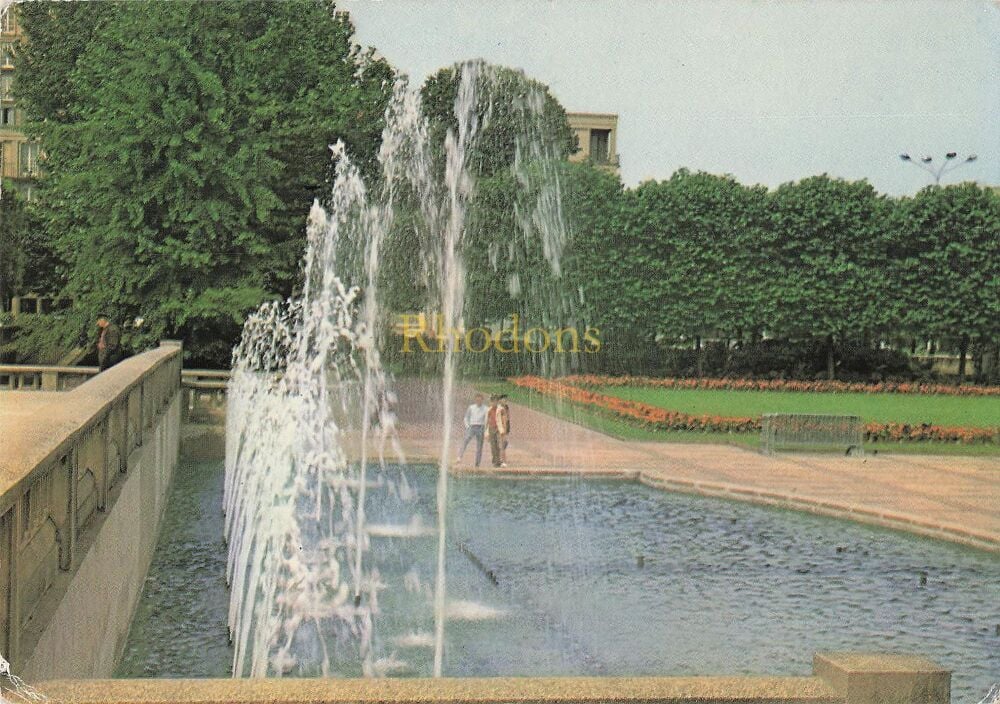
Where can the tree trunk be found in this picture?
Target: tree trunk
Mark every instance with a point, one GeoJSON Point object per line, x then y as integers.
{"type": "Point", "coordinates": [963, 353]}
{"type": "Point", "coordinates": [699, 355]}
{"type": "Point", "coordinates": [994, 373]}
{"type": "Point", "coordinates": [978, 352]}
{"type": "Point", "coordinates": [831, 372]}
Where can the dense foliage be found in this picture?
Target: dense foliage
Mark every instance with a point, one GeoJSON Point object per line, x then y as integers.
{"type": "Point", "coordinates": [184, 143]}
{"type": "Point", "coordinates": [826, 269]}
{"type": "Point", "coordinates": [944, 251]}
{"type": "Point", "coordinates": [517, 138]}
{"type": "Point", "coordinates": [508, 103]}
{"type": "Point", "coordinates": [25, 262]}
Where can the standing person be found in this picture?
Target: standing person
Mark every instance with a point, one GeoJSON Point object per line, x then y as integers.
{"type": "Point", "coordinates": [495, 427]}
{"type": "Point", "coordinates": [475, 419]}
{"type": "Point", "coordinates": [109, 351]}
{"type": "Point", "coordinates": [506, 430]}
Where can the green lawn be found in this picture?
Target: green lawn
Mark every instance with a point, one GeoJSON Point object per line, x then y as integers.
{"type": "Point", "coordinates": [964, 411]}
{"type": "Point", "coordinates": [609, 424]}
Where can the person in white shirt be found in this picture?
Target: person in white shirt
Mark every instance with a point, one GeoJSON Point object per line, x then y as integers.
{"type": "Point", "coordinates": [475, 420]}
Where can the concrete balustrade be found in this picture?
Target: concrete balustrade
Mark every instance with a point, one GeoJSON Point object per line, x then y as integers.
{"type": "Point", "coordinates": [203, 388]}
{"type": "Point", "coordinates": [28, 377]}
{"type": "Point", "coordinates": [83, 480]}
{"type": "Point", "coordinates": [33, 304]}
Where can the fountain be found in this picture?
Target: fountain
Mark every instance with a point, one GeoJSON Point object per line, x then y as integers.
{"type": "Point", "coordinates": [310, 428]}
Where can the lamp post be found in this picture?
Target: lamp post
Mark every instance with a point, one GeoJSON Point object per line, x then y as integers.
{"type": "Point", "coordinates": [950, 163]}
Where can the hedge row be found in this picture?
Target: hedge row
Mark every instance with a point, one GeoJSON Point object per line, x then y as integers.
{"type": "Point", "coordinates": [820, 386]}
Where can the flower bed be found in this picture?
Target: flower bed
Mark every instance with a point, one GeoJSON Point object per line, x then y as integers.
{"type": "Point", "coordinates": [663, 419]}
{"type": "Point", "coordinates": [899, 432]}
{"type": "Point", "coordinates": [886, 387]}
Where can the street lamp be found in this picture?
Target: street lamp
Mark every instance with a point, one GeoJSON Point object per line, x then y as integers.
{"type": "Point", "coordinates": [949, 164]}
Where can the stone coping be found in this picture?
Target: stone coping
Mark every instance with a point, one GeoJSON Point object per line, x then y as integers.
{"type": "Point", "coordinates": [981, 540]}
{"type": "Point", "coordinates": [867, 663]}
{"type": "Point", "coordinates": [40, 369]}
{"type": "Point", "coordinates": [206, 373]}
{"type": "Point", "coordinates": [29, 441]}
{"type": "Point", "coordinates": [93, 371]}
{"type": "Point", "coordinates": [520, 690]}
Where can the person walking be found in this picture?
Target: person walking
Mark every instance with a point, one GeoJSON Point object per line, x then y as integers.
{"type": "Point", "coordinates": [109, 351]}
{"type": "Point", "coordinates": [495, 430]}
{"type": "Point", "coordinates": [475, 419]}
{"type": "Point", "coordinates": [506, 431]}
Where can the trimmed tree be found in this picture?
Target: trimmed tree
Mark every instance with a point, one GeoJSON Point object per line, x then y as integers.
{"type": "Point", "coordinates": [827, 240]}
{"type": "Point", "coordinates": [946, 270]}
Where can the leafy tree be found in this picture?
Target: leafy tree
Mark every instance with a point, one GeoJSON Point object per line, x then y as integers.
{"type": "Point", "coordinates": [192, 140]}
{"type": "Point", "coordinates": [59, 34]}
{"type": "Point", "coordinates": [515, 110]}
{"type": "Point", "coordinates": [521, 135]}
{"type": "Point", "coordinates": [945, 250]}
{"type": "Point", "coordinates": [26, 262]}
{"type": "Point", "coordinates": [701, 237]}
{"type": "Point", "coordinates": [827, 238]}
{"type": "Point", "coordinates": [596, 259]}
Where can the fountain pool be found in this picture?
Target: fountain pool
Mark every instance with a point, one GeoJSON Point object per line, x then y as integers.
{"type": "Point", "coordinates": [585, 577]}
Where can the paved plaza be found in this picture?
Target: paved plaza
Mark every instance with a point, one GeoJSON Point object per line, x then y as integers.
{"type": "Point", "coordinates": [954, 498]}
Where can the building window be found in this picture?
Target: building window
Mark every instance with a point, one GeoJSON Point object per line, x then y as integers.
{"type": "Point", "coordinates": [8, 116]}
{"type": "Point", "coordinates": [600, 144]}
{"type": "Point", "coordinates": [29, 159]}
{"type": "Point", "coordinates": [6, 87]}
{"type": "Point", "coordinates": [7, 55]}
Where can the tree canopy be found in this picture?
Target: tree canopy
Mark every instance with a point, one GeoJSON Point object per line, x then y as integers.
{"type": "Point", "coordinates": [514, 109]}
{"type": "Point", "coordinates": [945, 249]}
{"type": "Point", "coordinates": [184, 149]}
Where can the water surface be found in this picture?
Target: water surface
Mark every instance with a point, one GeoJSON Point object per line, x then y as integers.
{"type": "Point", "coordinates": [582, 577]}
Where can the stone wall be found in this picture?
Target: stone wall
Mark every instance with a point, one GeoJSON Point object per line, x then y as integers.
{"type": "Point", "coordinates": [83, 481]}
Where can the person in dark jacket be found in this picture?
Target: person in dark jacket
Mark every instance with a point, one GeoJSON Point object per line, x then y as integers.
{"type": "Point", "coordinates": [109, 348]}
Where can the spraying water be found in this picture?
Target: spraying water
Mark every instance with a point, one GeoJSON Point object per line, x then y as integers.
{"type": "Point", "coordinates": [311, 403]}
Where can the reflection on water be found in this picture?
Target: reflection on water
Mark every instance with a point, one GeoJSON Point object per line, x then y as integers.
{"type": "Point", "coordinates": [565, 577]}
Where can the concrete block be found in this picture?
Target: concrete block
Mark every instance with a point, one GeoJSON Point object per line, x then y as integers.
{"type": "Point", "coordinates": [869, 678]}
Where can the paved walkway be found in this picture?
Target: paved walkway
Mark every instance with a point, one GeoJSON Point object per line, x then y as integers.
{"type": "Point", "coordinates": [953, 498]}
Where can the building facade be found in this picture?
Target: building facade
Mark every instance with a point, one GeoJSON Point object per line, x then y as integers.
{"type": "Point", "coordinates": [18, 155]}
{"type": "Point", "coordinates": [597, 136]}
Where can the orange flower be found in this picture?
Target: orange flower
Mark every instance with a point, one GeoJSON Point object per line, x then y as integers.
{"type": "Point", "coordinates": [592, 380]}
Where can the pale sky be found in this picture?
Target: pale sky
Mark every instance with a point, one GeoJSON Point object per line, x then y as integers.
{"type": "Point", "coordinates": [767, 90]}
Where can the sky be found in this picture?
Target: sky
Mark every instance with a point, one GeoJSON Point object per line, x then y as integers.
{"type": "Point", "coordinates": [769, 91]}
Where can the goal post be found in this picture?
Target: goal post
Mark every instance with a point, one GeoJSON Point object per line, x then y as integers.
{"type": "Point", "coordinates": [811, 431]}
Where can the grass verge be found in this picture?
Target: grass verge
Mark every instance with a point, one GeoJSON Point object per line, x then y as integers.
{"type": "Point", "coordinates": [622, 429]}
{"type": "Point", "coordinates": [957, 411]}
